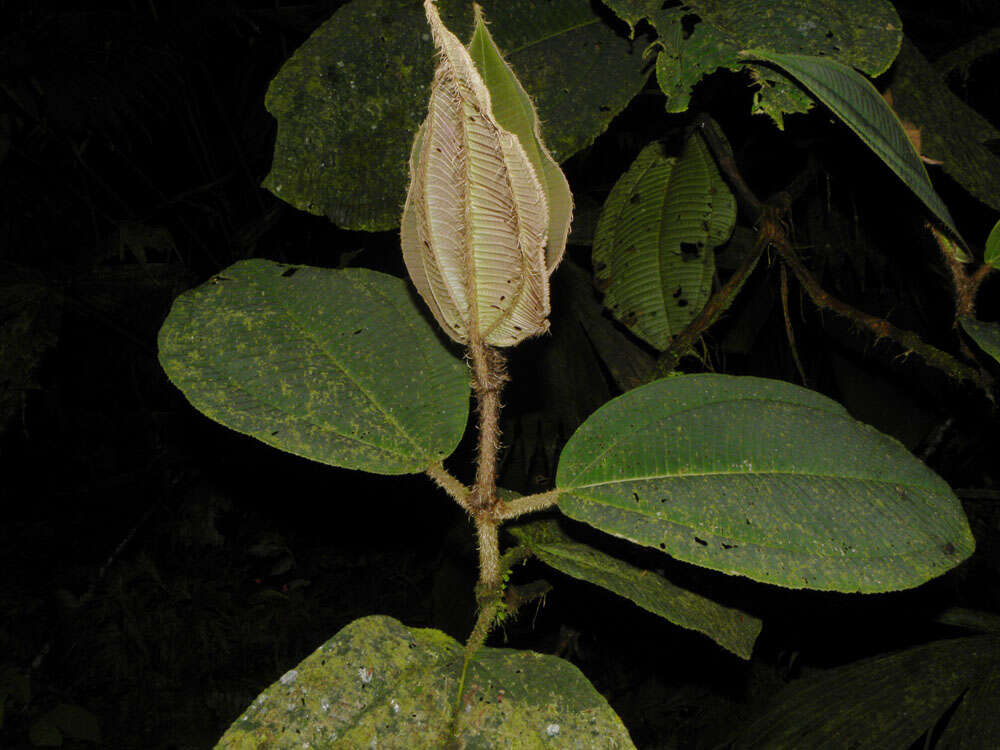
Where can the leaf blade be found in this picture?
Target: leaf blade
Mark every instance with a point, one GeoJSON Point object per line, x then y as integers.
{"type": "Point", "coordinates": [380, 682]}
{"type": "Point", "coordinates": [732, 629]}
{"type": "Point", "coordinates": [655, 240]}
{"type": "Point", "coordinates": [277, 353]}
{"type": "Point", "coordinates": [860, 106]}
{"type": "Point", "coordinates": [763, 479]}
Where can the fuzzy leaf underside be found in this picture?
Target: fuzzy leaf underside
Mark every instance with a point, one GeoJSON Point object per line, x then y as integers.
{"type": "Point", "coordinates": [338, 366]}
{"type": "Point", "coordinates": [379, 683]}
{"type": "Point", "coordinates": [474, 225]}
{"type": "Point", "coordinates": [763, 479]}
{"type": "Point", "coordinates": [514, 111]}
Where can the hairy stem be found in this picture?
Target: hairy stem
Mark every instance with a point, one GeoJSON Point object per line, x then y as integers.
{"type": "Point", "coordinates": [528, 504]}
{"type": "Point", "coordinates": [488, 377]}
{"type": "Point", "coordinates": [446, 481]}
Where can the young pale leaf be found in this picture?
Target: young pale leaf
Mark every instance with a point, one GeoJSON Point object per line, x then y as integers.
{"type": "Point", "coordinates": [855, 101]}
{"type": "Point", "coordinates": [476, 219]}
{"type": "Point", "coordinates": [732, 629]}
{"type": "Point", "coordinates": [991, 255]}
{"type": "Point", "coordinates": [987, 335]}
{"type": "Point", "coordinates": [514, 111]}
{"type": "Point", "coordinates": [338, 366]}
{"type": "Point", "coordinates": [654, 245]}
{"type": "Point", "coordinates": [377, 683]}
{"type": "Point", "coordinates": [764, 479]}
{"type": "Point", "coordinates": [886, 701]}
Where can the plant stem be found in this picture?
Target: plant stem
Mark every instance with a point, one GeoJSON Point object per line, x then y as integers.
{"type": "Point", "coordinates": [488, 377]}
{"type": "Point", "coordinates": [446, 481]}
{"type": "Point", "coordinates": [907, 340]}
{"type": "Point", "coordinates": [716, 305]}
{"type": "Point", "coordinates": [519, 506]}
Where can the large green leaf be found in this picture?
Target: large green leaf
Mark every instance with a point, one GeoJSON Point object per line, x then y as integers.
{"type": "Point", "coordinates": [699, 36]}
{"type": "Point", "coordinates": [732, 629]}
{"type": "Point", "coordinates": [987, 335]}
{"type": "Point", "coordinates": [380, 684]}
{"type": "Point", "coordinates": [339, 366]}
{"type": "Point", "coordinates": [885, 702]}
{"type": "Point", "coordinates": [855, 101]}
{"type": "Point", "coordinates": [763, 479]}
{"type": "Point", "coordinates": [654, 245]}
{"type": "Point", "coordinates": [350, 99]}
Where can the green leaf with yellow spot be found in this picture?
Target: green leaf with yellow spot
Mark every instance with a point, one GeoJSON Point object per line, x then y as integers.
{"type": "Point", "coordinates": [338, 366]}
{"type": "Point", "coordinates": [377, 683]}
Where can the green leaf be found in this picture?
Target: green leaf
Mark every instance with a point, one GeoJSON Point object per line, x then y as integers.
{"type": "Point", "coordinates": [379, 682]}
{"type": "Point", "coordinates": [700, 36]}
{"type": "Point", "coordinates": [951, 132]}
{"type": "Point", "coordinates": [887, 701]}
{"type": "Point", "coordinates": [654, 245]}
{"type": "Point", "coordinates": [763, 479]}
{"type": "Point", "coordinates": [976, 721]}
{"type": "Point", "coordinates": [338, 366]}
{"type": "Point", "coordinates": [855, 101]}
{"type": "Point", "coordinates": [349, 101]}
{"type": "Point", "coordinates": [986, 335]}
{"type": "Point", "coordinates": [732, 629]}
{"type": "Point", "coordinates": [991, 255]}
{"type": "Point", "coordinates": [970, 619]}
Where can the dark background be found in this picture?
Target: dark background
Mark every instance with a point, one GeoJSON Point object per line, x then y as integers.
{"type": "Point", "coordinates": [133, 140]}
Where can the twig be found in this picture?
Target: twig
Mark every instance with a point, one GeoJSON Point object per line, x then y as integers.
{"type": "Point", "coordinates": [907, 340]}
{"type": "Point", "coordinates": [444, 479]}
{"type": "Point", "coordinates": [789, 331]}
{"type": "Point", "coordinates": [716, 305]}
{"type": "Point", "coordinates": [519, 506]}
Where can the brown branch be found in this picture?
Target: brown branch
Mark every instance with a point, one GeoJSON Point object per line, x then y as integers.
{"type": "Point", "coordinates": [965, 292]}
{"type": "Point", "coordinates": [789, 331]}
{"type": "Point", "coordinates": [488, 377]}
{"type": "Point", "coordinates": [716, 305]}
{"type": "Point", "coordinates": [907, 340]}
